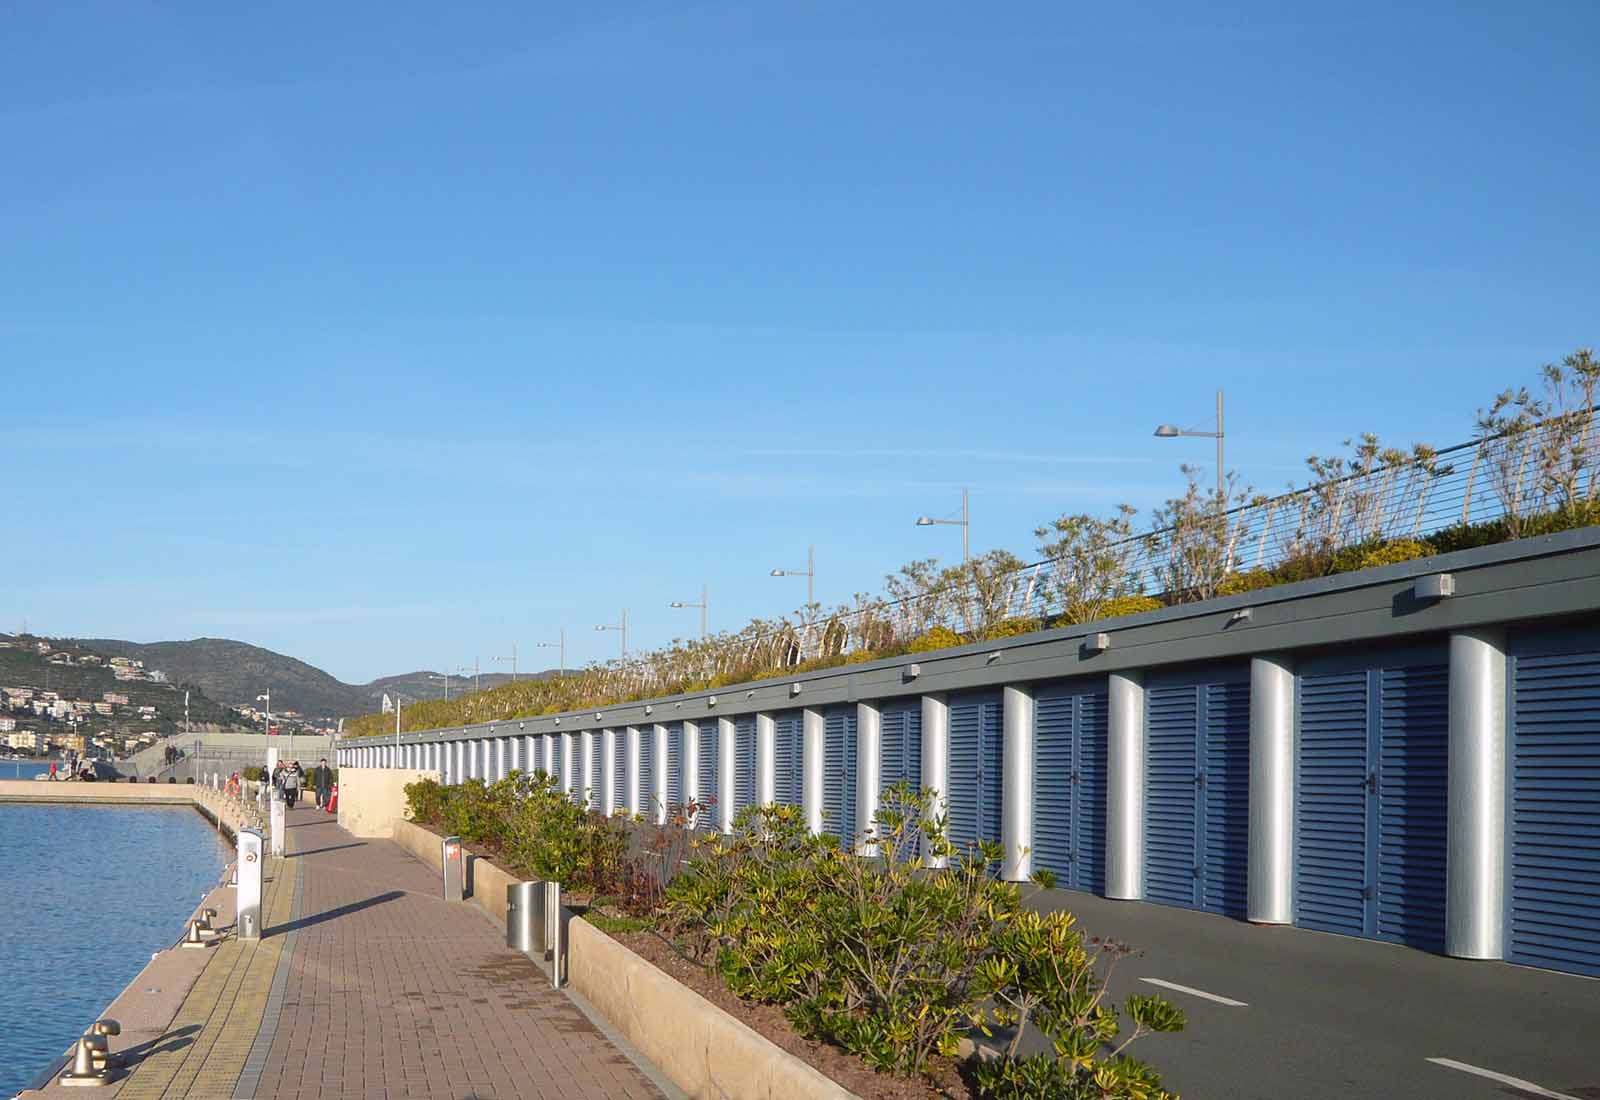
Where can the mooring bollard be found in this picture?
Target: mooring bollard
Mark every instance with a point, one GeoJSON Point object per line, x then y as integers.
{"type": "Point", "coordinates": [454, 864]}
{"type": "Point", "coordinates": [100, 1046]}
{"type": "Point", "coordinates": [248, 898]}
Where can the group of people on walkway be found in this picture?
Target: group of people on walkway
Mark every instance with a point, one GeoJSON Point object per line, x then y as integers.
{"type": "Point", "coordinates": [290, 779]}
{"type": "Point", "coordinates": [77, 767]}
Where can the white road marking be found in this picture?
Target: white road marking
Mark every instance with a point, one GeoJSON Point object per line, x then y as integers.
{"type": "Point", "coordinates": [1503, 1078]}
{"type": "Point", "coordinates": [1196, 992]}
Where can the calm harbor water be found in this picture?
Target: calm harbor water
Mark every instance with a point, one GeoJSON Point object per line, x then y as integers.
{"type": "Point", "coordinates": [87, 894]}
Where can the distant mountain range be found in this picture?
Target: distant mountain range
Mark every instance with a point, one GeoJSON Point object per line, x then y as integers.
{"type": "Point", "coordinates": [236, 672]}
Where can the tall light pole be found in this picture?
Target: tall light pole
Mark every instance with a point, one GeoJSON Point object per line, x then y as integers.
{"type": "Point", "coordinates": [446, 679]}
{"type": "Point", "coordinates": [622, 626]}
{"type": "Point", "coordinates": [513, 660]}
{"type": "Point", "coordinates": [1171, 431]}
{"type": "Point", "coordinates": [398, 700]}
{"type": "Point", "coordinates": [809, 573]}
{"type": "Point", "coordinates": [553, 645]}
{"type": "Point", "coordinates": [476, 674]}
{"type": "Point", "coordinates": [964, 523]}
{"type": "Point", "coordinates": [703, 605]}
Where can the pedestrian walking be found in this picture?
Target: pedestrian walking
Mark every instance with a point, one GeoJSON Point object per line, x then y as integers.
{"type": "Point", "coordinates": [322, 782]}
{"type": "Point", "coordinates": [292, 778]}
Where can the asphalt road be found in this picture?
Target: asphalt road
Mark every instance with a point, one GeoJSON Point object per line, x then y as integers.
{"type": "Point", "coordinates": [1336, 1017]}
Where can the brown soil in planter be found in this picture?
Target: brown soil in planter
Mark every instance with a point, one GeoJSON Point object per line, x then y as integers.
{"type": "Point", "coordinates": [768, 1020]}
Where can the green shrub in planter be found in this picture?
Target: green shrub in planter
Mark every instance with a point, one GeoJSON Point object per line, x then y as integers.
{"type": "Point", "coordinates": [895, 963]}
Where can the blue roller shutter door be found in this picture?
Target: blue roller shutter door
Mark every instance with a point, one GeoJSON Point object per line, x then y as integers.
{"type": "Point", "coordinates": [976, 769]}
{"type": "Point", "coordinates": [674, 768]}
{"type": "Point", "coordinates": [839, 773]}
{"type": "Point", "coordinates": [901, 745]}
{"type": "Point", "coordinates": [1414, 748]}
{"type": "Point", "coordinates": [1226, 799]}
{"type": "Point", "coordinates": [708, 796]}
{"type": "Point", "coordinates": [1331, 804]}
{"type": "Point", "coordinates": [1069, 779]}
{"type": "Point", "coordinates": [648, 802]}
{"type": "Point", "coordinates": [619, 771]}
{"type": "Point", "coordinates": [1171, 795]}
{"type": "Point", "coordinates": [1371, 802]}
{"type": "Point", "coordinates": [786, 763]}
{"type": "Point", "coordinates": [1197, 808]}
{"type": "Point", "coordinates": [1553, 904]}
{"type": "Point", "coordinates": [900, 755]}
{"type": "Point", "coordinates": [744, 763]}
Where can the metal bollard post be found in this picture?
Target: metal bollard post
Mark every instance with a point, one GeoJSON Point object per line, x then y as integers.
{"type": "Point", "coordinates": [454, 864]}
{"type": "Point", "coordinates": [553, 933]}
{"type": "Point", "coordinates": [248, 898]}
{"type": "Point", "coordinates": [277, 827]}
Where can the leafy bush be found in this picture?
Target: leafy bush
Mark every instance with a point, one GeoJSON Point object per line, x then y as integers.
{"type": "Point", "coordinates": [939, 637]}
{"type": "Point", "coordinates": [1045, 974]}
{"type": "Point", "coordinates": [1011, 628]}
{"type": "Point", "coordinates": [531, 824]}
{"type": "Point", "coordinates": [895, 963]}
{"type": "Point", "coordinates": [1391, 553]}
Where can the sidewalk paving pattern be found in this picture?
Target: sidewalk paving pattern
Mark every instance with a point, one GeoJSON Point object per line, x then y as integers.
{"type": "Point", "coordinates": [368, 984]}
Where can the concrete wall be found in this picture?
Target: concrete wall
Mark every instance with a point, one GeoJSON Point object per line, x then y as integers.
{"type": "Point", "coordinates": [371, 800]}
{"type": "Point", "coordinates": [702, 1049]}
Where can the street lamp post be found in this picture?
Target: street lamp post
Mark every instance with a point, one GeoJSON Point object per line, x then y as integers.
{"type": "Point", "coordinates": [1172, 431]}
{"type": "Point", "coordinates": [620, 626]}
{"type": "Point", "coordinates": [513, 660]}
{"type": "Point", "coordinates": [809, 573]}
{"type": "Point", "coordinates": [446, 679]}
{"type": "Point", "coordinates": [476, 674]}
{"type": "Point", "coordinates": [963, 523]}
{"type": "Point", "coordinates": [398, 701]}
{"type": "Point", "coordinates": [703, 605]}
{"type": "Point", "coordinates": [553, 645]}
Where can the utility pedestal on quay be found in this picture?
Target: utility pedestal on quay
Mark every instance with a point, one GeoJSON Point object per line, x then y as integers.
{"type": "Point", "coordinates": [247, 902]}
{"type": "Point", "coordinates": [454, 862]}
{"type": "Point", "coordinates": [277, 826]}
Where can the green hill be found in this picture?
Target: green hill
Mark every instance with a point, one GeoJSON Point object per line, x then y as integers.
{"type": "Point", "coordinates": [22, 665]}
{"type": "Point", "coordinates": [236, 672]}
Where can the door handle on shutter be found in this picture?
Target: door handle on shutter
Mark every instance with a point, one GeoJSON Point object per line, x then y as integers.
{"type": "Point", "coordinates": [1200, 780]}
{"type": "Point", "coordinates": [1372, 782]}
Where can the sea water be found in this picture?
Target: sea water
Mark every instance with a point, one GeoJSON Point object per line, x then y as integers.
{"type": "Point", "coordinates": [87, 894]}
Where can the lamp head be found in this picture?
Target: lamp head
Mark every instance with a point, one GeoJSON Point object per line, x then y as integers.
{"type": "Point", "coordinates": [676, 603]}
{"type": "Point", "coordinates": [924, 521]}
{"type": "Point", "coordinates": [777, 572]}
{"type": "Point", "coordinates": [1167, 431]}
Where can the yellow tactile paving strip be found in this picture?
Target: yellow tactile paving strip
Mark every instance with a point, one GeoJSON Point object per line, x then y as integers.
{"type": "Point", "coordinates": [225, 1006]}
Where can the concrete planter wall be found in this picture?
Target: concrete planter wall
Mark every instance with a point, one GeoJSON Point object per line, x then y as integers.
{"type": "Point", "coordinates": [700, 1048]}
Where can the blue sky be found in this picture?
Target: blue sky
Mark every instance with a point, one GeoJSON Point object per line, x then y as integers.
{"type": "Point", "coordinates": [388, 335]}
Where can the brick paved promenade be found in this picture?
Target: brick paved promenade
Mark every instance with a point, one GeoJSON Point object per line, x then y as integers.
{"type": "Point", "coordinates": [369, 985]}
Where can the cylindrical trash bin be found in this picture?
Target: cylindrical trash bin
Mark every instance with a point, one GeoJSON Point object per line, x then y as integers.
{"type": "Point", "coordinates": [524, 910]}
